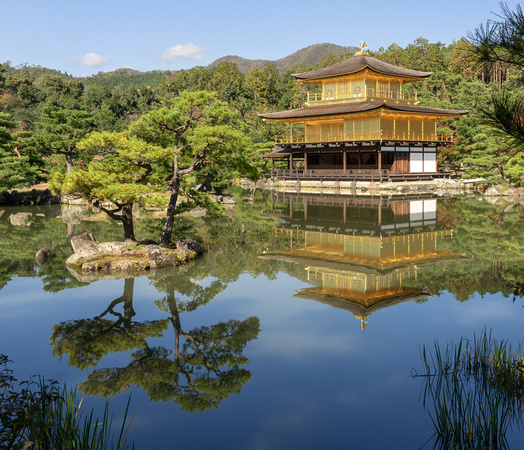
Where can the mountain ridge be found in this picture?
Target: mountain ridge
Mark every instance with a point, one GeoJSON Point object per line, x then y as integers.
{"type": "Point", "coordinates": [308, 55]}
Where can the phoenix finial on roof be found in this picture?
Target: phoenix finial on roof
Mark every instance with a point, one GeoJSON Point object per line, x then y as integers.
{"type": "Point", "coordinates": [363, 49]}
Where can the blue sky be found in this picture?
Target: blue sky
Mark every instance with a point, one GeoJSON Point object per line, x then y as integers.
{"type": "Point", "coordinates": [85, 37]}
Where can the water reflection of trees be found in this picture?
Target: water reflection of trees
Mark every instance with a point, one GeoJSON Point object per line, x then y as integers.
{"type": "Point", "coordinates": [473, 392]}
{"type": "Point", "coordinates": [491, 237]}
{"type": "Point", "coordinates": [43, 227]}
{"type": "Point", "coordinates": [204, 366]}
{"type": "Point", "coordinates": [87, 341]}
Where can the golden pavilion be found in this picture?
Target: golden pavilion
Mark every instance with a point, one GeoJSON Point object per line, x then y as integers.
{"type": "Point", "coordinates": [362, 125]}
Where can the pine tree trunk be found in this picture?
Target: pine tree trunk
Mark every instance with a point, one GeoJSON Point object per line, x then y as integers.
{"type": "Point", "coordinates": [500, 168]}
{"type": "Point", "coordinates": [69, 162]}
{"type": "Point", "coordinates": [127, 296]}
{"type": "Point", "coordinates": [175, 316]}
{"type": "Point", "coordinates": [127, 221]}
{"type": "Point", "coordinates": [167, 231]}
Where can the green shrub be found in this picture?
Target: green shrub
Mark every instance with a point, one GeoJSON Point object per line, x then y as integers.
{"type": "Point", "coordinates": [42, 415]}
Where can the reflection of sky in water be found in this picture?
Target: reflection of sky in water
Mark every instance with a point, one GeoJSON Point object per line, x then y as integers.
{"type": "Point", "coordinates": [318, 380]}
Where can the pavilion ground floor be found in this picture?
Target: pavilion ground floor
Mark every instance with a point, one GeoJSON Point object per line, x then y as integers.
{"type": "Point", "coordinates": [373, 162]}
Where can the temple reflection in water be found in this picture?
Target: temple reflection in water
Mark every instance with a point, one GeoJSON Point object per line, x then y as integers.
{"type": "Point", "coordinates": [361, 253]}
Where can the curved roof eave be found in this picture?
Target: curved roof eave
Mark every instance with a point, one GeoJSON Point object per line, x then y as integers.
{"type": "Point", "coordinates": [357, 64]}
{"type": "Point", "coordinates": [353, 108]}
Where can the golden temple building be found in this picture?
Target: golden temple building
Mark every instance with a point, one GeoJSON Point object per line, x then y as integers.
{"type": "Point", "coordinates": [362, 125]}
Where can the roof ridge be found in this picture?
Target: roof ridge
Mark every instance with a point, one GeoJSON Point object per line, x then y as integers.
{"type": "Point", "coordinates": [357, 64]}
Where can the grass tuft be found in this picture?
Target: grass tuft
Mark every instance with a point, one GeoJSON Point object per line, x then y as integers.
{"type": "Point", "coordinates": [474, 390]}
{"type": "Point", "coordinates": [42, 415]}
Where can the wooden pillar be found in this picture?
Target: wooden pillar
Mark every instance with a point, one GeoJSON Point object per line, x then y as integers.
{"type": "Point", "coordinates": [344, 157]}
{"type": "Point", "coordinates": [394, 128]}
{"type": "Point", "coordinates": [305, 209]}
{"type": "Point", "coordinates": [305, 161]}
{"type": "Point", "coordinates": [379, 157]}
{"type": "Point", "coordinates": [291, 161]}
{"type": "Point", "coordinates": [395, 161]}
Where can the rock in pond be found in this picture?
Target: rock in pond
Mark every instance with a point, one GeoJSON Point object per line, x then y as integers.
{"type": "Point", "coordinates": [44, 255]}
{"type": "Point", "coordinates": [91, 255]}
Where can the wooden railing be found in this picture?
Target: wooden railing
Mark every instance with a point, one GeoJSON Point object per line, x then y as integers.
{"type": "Point", "coordinates": [367, 174]}
{"type": "Point", "coordinates": [378, 135]}
{"type": "Point", "coordinates": [365, 94]}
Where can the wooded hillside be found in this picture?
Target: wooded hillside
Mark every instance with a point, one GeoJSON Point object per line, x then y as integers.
{"type": "Point", "coordinates": [45, 112]}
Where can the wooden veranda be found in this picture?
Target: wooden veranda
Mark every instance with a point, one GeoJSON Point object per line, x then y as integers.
{"type": "Point", "coordinates": [352, 175]}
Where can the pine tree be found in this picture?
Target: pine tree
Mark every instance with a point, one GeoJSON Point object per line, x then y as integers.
{"type": "Point", "coordinates": [15, 170]}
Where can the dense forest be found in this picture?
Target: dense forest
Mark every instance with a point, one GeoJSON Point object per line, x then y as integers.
{"type": "Point", "coordinates": [45, 114]}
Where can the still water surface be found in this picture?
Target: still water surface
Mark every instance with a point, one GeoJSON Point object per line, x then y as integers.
{"type": "Point", "coordinates": [300, 327]}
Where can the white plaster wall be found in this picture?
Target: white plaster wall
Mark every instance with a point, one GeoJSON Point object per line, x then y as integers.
{"type": "Point", "coordinates": [415, 163]}
{"type": "Point", "coordinates": [430, 162]}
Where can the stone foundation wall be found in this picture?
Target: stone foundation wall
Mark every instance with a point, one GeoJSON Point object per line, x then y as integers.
{"type": "Point", "coordinates": [438, 187]}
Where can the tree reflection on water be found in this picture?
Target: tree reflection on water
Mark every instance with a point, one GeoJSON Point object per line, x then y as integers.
{"type": "Point", "coordinates": [205, 365]}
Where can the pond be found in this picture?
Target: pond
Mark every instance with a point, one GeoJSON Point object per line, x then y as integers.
{"type": "Point", "coordinates": [302, 326]}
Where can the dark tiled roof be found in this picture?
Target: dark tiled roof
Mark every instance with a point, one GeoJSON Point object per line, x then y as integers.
{"type": "Point", "coordinates": [277, 153]}
{"type": "Point", "coordinates": [351, 108]}
{"type": "Point", "coordinates": [358, 63]}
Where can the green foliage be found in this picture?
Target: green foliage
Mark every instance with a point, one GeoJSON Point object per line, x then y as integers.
{"type": "Point", "coordinates": [500, 44]}
{"type": "Point", "coordinates": [208, 139]}
{"type": "Point", "coordinates": [474, 390]}
{"type": "Point", "coordinates": [40, 414]}
{"type": "Point", "coordinates": [203, 130]}
{"type": "Point", "coordinates": [490, 238]}
{"type": "Point", "coordinates": [500, 40]}
{"type": "Point", "coordinates": [125, 78]}
{"type": "Point", "coordinates": [87, 341]}
{"type": "Point", "coordinates": [205, 370]}
{"type": "Point", "coordinates": [113, 101]}
{"type": "Point", "coordinates": [505, 114]}
{"type": "Point", "coordinates": [515, 169]}
{"type": "Point", "coordinates": [60, 132]}
{"type": "Point", "coordinates": [125, 172]}
{"type": "Point", "coordinates": [15, 170]}
{"type": "Point", "coordinates": [479, 148]}
{"type": "Point", "coordinates": [122, 172]}
{"type": "Point", "coordinates": [207, 362]}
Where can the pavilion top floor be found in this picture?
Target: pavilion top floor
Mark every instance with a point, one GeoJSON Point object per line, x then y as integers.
{"type": "Point", "coordinates": [361, 78]}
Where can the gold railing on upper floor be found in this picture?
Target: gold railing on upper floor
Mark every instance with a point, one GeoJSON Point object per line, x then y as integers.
{"type": "Point", "coordinates": [377, 135]}
{"type": "Point", "coordinates": [365, 94]}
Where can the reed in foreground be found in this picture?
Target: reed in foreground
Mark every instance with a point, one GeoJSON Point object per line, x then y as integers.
{"type": "Point", "coordinates": [474, 391]}
{"type": "Point", "coordinates": [42, 415]}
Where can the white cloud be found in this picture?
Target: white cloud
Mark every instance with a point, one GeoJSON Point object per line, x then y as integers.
{"type": "Point", "coordinates": [188, 51]}
{"type": "Point", "coordinates": [92, 60]}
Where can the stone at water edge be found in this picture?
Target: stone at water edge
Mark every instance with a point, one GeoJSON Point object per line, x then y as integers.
{"type": "Point", "coordinates": [82, 240]}
{"type": "Point", "coordinates": [44, 255]}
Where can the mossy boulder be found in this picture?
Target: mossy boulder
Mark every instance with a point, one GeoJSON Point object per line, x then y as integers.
{"type": "Point", "coordinates": [90, 255]}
